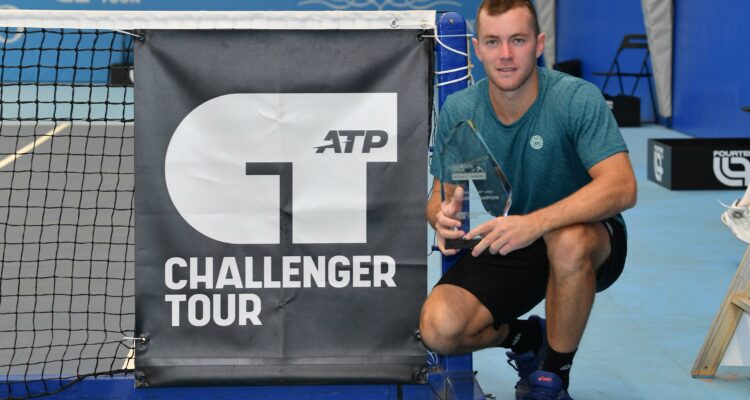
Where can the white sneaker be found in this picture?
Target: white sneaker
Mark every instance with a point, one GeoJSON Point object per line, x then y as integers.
{"type": "Point", "coordinates": [737, 218]}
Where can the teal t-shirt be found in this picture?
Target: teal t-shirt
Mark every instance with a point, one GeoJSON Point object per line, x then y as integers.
{"type": "Point", "coordinates": [547, 152]}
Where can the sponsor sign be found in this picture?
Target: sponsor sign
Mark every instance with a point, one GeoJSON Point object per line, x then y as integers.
{"type": "Point", "coordinates": [694, 164]}
{"type": "Point", "coordinates": [280, 190]}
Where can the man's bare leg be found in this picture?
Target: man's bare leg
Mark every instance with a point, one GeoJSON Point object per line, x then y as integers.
{"type": "Point", "coordinates": [453, 321]}
{"type": "Point", "coordinates": [575, 253]}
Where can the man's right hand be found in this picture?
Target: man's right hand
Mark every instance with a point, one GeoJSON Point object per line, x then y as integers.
{"type": "Point", "coordinates": [446, 224]}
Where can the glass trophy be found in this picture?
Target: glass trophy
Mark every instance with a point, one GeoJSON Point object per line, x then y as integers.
{"type": "Point", "coordinates": [466, 158]}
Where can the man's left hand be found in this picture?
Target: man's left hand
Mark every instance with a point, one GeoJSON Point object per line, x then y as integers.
{"type": "Point", "coordinates": [505, 234]}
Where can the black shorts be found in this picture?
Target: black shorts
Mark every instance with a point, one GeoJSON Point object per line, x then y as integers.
{"type": "Point", "coordinates": [511, 285]}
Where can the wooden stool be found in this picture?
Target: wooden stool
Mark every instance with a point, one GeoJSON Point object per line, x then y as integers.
{"type": "Point", "coordinates": [736, 302]}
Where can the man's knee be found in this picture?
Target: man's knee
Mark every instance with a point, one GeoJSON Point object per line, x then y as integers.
{"type": "Point", "coordinates": [577, 249]}
{"type": "Point", "coordinates": [446, 318]}
{"type": "Point", "coordinates": [439, 333]}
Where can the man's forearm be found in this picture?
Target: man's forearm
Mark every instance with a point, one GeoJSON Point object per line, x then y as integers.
{"type": "Point", "coordinates": [435, 200]}
{"type": "Point", "coordinates": [606, 195]}
{"type": "Point", "coordinates": [433, 206]}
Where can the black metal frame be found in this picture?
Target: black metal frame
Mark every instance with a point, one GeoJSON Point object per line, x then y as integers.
{"type": "Point", "coordinates": [631, 41]}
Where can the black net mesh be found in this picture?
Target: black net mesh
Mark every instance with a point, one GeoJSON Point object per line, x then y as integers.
{"type": "Point", "coordinates": [66, 207]}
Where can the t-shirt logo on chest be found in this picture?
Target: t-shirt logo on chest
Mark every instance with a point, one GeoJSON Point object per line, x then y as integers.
{"type": "Point", "coordinates": [536, 142]}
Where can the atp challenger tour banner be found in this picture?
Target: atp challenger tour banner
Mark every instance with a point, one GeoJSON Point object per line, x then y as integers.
{"type": "Point", "coordinates": [280, 189]}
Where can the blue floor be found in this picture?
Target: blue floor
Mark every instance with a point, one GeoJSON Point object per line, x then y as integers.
{"type": "Point", "coordinates": [645, 331]}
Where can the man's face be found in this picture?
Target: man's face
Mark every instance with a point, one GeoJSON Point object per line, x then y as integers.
{"type": "Point", "coordinates": [508, 48]}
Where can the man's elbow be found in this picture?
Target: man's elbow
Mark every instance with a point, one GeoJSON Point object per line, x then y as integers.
{"type": "Point", "coordinates": [630, 193]}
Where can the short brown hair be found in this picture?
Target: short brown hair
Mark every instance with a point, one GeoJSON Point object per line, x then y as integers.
{"type": "Point", "coordinates": [497, 7]}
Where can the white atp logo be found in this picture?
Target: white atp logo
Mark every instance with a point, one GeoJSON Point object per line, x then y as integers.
{"type": "Point", "coordinates": [658, 162]}
{"type": "Point", "coordinates": [723, 162]}
{"type": "Point", "coordinates": [248, 168]}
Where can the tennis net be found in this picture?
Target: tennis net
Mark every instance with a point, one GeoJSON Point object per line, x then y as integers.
{"type": "Point", "coordinates": [66, 206]}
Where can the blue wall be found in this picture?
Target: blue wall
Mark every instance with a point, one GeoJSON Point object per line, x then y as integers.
{"type": "Point", "coordinates": [711, 78]}
{"type": "Point", "coordinates": [591, 30]}
{"type": "Point", "coordinates": [711, 68]}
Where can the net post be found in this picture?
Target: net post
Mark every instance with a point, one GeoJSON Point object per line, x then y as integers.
{"type": "Point", "coordinates": [451, 30]}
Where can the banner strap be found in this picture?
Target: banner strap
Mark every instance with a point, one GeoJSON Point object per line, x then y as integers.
{"type": "Point", "coordinates": [422, 24]}
{"type": "Point", "coordinates": [141, 339]}
{"type": "Point", "coordinates": [135, 35]}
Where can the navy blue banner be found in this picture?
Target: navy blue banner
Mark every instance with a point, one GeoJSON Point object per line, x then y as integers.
{"type": "Point", "coordinates": [279, 206]}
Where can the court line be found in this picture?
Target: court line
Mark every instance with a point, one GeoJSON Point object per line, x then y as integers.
{"type": "Point", "coordinates": [31, 146]}
{"type": "Point", "coordinates": [129, 362]}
